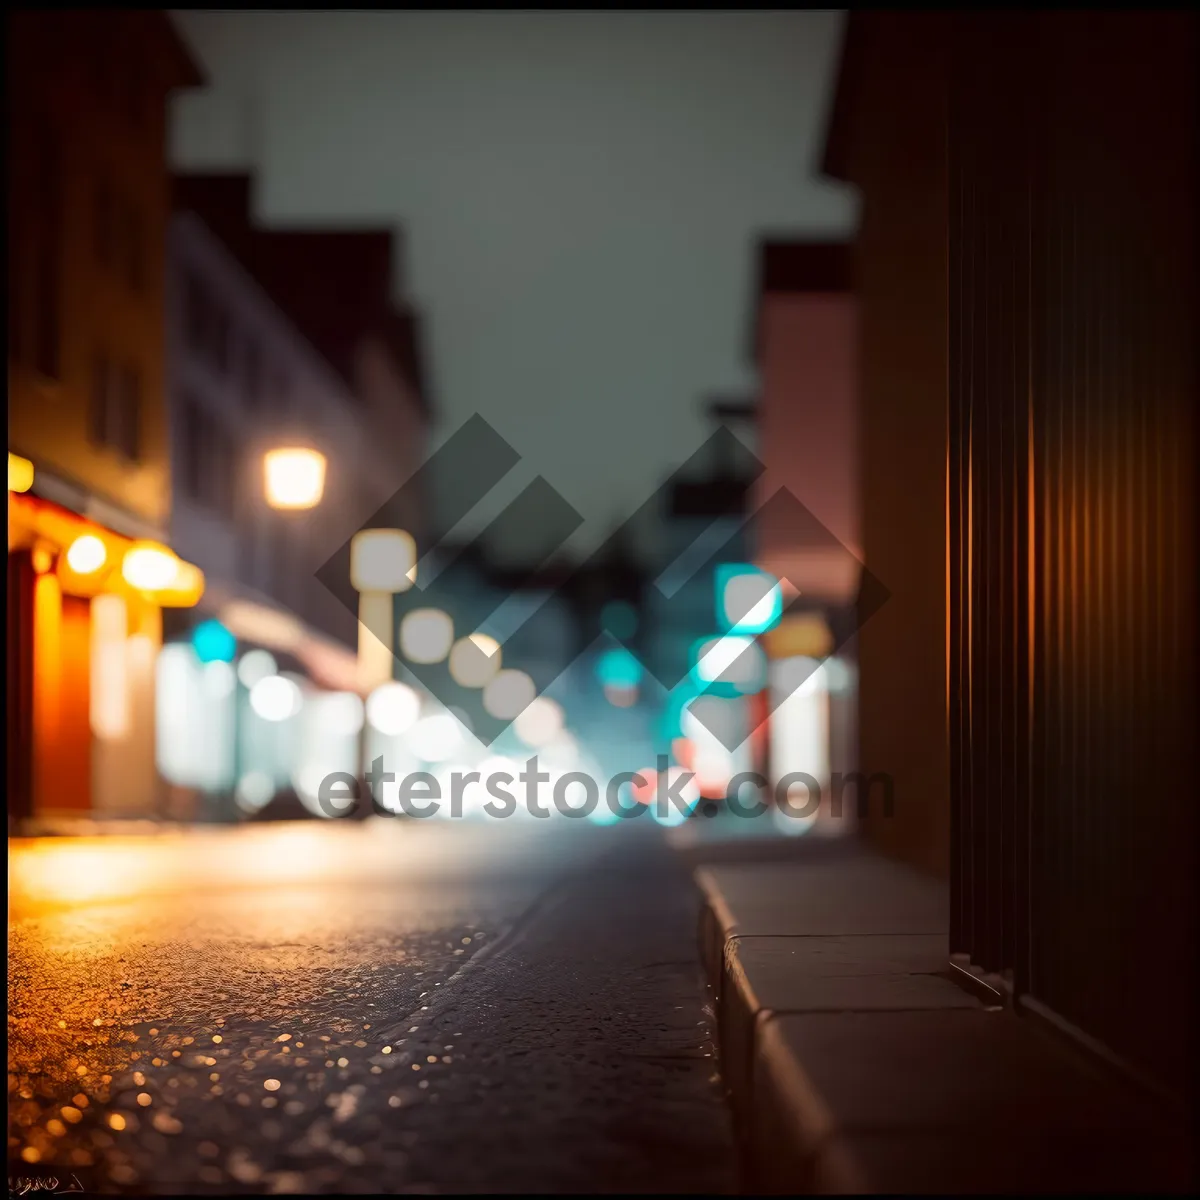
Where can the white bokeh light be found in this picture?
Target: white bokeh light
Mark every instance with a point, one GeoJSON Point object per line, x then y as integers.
{"type": "Point", "coordinates": [540, 722]}
{"type": "Point", "coordinates": [475, 660]}
{"type": "Point", "coordinates": [276, 698]}
{"type": "Point", "coordinates": [426, 635]}
{"type": "Point", "coordinates": [393, 708]}
{"type": "Point", "coordinates": [508, 695]}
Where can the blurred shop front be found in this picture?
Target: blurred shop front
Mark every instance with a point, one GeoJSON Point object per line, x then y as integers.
{"type": "Point", "coordinates": [84, 628]}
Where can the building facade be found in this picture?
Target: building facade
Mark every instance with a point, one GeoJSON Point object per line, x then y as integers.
{"type": "Point", "coordinates": [341, 289]}
{"type": "Point", "coordinates": [807, 528]}
{"type": "Point", "coordinates": [896, 158]}
{"type": "Point", "coordinates": [246, 379]}
{"type": "Point", "coordinates": [243, 380]}
{"type": "Point", "coordinates": [89, 200]}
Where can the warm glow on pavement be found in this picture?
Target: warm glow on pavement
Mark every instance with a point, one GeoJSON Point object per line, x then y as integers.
{"type": "Point", "coordinates": [65, 872]}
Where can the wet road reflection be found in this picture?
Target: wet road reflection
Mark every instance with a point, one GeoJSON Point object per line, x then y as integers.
{"type": "Point", "coordinates": [182, 1023]}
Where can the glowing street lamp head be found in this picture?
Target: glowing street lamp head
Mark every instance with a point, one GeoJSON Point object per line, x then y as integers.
{"type": "Point", "coordinates": [294, 477]}
{"type": "Point", "coordinates": [383, 560]}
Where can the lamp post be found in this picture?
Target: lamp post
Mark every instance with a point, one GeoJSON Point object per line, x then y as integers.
{"type": "Point", "coordinates": [293, 481]}
{"type": "Point", "coordinates": [383, 563]}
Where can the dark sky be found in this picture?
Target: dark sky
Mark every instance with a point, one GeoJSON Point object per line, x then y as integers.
{"type": "Point", "coordinates": [580, 195]}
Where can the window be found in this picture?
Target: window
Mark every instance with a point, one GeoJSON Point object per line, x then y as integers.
{"type": "Point", "coordinates": [206, 324]}
{"type": "Point", "coordinates": [115, 416]}
{"type": "Point", "coordinates": [191, 445]}
{"type": "Point", "coordinates": [127, 426]}
{"type": "Point", "coordinates": [208, 460]}
{"type": "Point", "coordinates": [102, 403]}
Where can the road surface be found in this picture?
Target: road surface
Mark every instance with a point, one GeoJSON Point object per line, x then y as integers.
{"type": "Point", "coordinates": [393, 1006]}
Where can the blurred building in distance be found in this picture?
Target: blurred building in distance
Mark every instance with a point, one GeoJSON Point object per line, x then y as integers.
{"type": "Point", "coordinates": [89, 200]}
{"type": "Point", "coordinates": [340, 289]}
{"type": "Point", "coordinates": [246, 379]}
{"type": "Point", "coordinates": [243, 381]}
{"type": "Point", "coordinates": [804, 339]}
{"type": "Point", "coordinates": [806, 501]}
{"type": "Point", "coordinates": [704, 527]}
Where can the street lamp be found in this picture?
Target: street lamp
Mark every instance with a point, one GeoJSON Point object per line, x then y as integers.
{"type": "Point", "coordinates": [383, 562]}
{"type": "Point", "coordinates": [294, 477]}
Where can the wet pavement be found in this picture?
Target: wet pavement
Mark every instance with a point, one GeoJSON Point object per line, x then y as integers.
{"type": "Point", "coordinates": [484, 1010]}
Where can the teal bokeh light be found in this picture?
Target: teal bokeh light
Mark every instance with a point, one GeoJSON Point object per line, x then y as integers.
{"type": "Point", "coordinates": [213, 642]}
{"type": "Point", "coordinates": [749, 600]}
{"type": "Point", "coordinates": [618, 668]}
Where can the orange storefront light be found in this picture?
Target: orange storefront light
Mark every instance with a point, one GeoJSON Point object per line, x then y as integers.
{"type": "Point", "coordinates": [149, 567]}
{"type": "Point", "coordinates": [186, 589]}
{"type": "Point", "coordinates": [87, 554]}
{"type": "Point", "coordinates": [20, 473]}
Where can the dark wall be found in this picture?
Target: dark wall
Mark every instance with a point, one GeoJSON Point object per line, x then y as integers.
{"type": "Point", "coordinates": [892, 146]}
{"type": "Point", "coordinates": [1072, 301]}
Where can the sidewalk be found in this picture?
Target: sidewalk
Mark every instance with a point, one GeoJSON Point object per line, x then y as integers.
{"type": "Point", "coordinates": [855, 1063]}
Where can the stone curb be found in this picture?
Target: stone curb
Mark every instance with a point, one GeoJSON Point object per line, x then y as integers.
{"type": "Point", "coordinates": [789, 1116]}
{"type": "Point", "coordinates": [855, 1064]}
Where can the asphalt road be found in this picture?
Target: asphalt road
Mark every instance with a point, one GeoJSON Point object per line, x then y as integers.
{"type": "Point", "coordinates": [466, 1009]}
